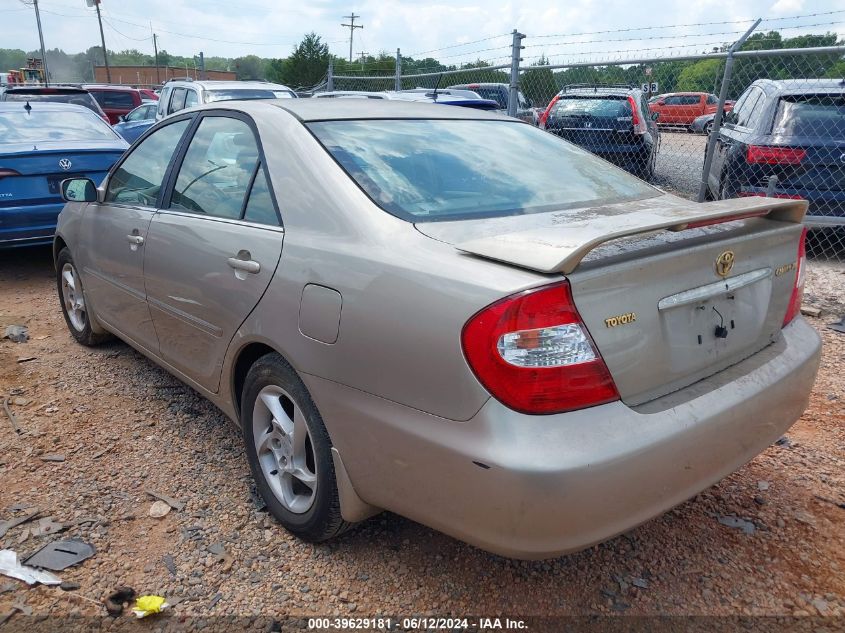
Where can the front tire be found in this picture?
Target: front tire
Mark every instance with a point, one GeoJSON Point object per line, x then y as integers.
{"type": "Point", "coordinates": [72, 298]}
{"type": "Point", "coordinates": [289, 451]}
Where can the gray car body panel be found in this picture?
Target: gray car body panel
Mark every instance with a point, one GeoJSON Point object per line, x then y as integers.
{"type": "Point", "coordinates": [395, 377]}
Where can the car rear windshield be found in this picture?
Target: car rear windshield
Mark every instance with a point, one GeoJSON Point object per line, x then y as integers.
{"type": "Point", "coordinates": [76, 98]}
{"type": "Point", "coordinates": [598, 107]}
{"type": "Point", "coordinates": [238, 93]}
{"type": "Point", "coordinates": [52, 125]}
{"type": "Point", "coordinates": [491, 93]}
{"type": "Point", "coordinates": [428, 170]}
{"type": "Point", "coordinates": [820, 115]}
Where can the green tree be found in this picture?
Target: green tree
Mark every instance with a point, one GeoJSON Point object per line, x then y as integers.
{"type": "Point", "coordinates": [250, 67]}
{"type": "Point", "coordinates": [305, 66]}
{"type": "Point", "coordinates": [538, 83]}
{"type": "Point", "coordinates": [700, 76]}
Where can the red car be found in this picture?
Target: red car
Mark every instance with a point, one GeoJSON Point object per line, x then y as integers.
{"type": "Point", "coordinates": [682, 108]}
{"type": "Point", "coordinates": [117, 100]}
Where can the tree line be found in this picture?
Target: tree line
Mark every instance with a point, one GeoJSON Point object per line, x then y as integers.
{"type": "Point", "coordinates": [307, 66]}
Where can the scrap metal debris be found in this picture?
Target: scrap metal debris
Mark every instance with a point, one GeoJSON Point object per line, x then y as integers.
{"type": "Point", "coordinates": [735, 522]}
{"type": "Point", "coordinates": [60, 555]}
{"type": "Point", "coordinates": [173, 503]}
{"type": "Point", "coordinates": [17, 333]}
{"type": "Point", "coordinates": [9, 566]}
{"type": "Point", "coordinates": [54, 457]}
{"type": "Point", "coordinates": [838, 327]}
{"type": "Point", "coordinates": [5, 526]}
{"type": "Point", "coordinates": [15, 426]}
{"type": "Point", "coordinates": [47, 526]}
{"type": "Point", "coordinates": [168, 561]}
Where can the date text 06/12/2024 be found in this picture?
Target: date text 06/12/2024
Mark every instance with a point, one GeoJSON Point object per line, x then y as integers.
{"type": "Point", "coordinates": [416, 623]}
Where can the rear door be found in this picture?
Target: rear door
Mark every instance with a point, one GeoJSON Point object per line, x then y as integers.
{"type": "Point", "coordinates": [213, 249]}
{"type": "Point", "coordinates": [114, 233]}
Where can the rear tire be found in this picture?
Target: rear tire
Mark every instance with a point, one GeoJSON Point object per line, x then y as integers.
{"type": "Point", "coordinates": [74, 305]}
{"type": "Point", "coordinates": [289, 451]}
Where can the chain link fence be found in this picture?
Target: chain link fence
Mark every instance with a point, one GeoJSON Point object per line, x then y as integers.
{"type": "Point", "coordinates": [730, 122]}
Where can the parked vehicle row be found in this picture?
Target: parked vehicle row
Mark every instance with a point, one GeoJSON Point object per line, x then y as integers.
{"type": "Point", "coordinates": [610, 121]}
{"type": "Point", "coordinates": [791, 130]}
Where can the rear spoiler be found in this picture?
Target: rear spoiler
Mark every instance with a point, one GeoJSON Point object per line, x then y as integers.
{"type": "Point", "coordinates": [560, 247]}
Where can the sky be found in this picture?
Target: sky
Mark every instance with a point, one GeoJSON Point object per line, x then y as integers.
{"type": "Point", "coordinates": [454, 32]}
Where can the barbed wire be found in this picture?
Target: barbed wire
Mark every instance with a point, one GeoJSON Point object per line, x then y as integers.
{"type": "Point", "coordinates": [483, 39]}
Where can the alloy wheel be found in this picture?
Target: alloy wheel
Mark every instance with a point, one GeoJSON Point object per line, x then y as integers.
{"type": "Point", "coordinates": [284, 448]}
{"type": "Point", "coordinates": [73, 297]}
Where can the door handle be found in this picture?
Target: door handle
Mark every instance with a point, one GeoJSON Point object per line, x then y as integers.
{"type": "Point", "coordinates": [246, 265]}
{"type": "Point", "coordinates": [135, 239]}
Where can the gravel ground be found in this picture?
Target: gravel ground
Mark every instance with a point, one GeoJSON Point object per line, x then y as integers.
{"type": "Point", "coordinates": [124, 426]}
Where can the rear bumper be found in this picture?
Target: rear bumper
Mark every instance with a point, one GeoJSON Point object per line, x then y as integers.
{"type": "Point", "coordinates": [28, 225]}
{"type": "Point", "coordinates": [540, 486]}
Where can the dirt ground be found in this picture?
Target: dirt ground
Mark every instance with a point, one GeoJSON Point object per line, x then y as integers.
{"type": "Point", "coordinates": [124, 426]}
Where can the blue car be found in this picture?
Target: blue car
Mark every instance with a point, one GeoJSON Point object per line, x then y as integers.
{"type": "Point", "coordinates": [41, 144]}
{"type": "Point", "coordinates": [135, 123]}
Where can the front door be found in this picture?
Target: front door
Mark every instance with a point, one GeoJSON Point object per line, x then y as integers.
{"type": "Point", "coordinates": [114, 233]}
{"type": "Point", "coordinates": [212, 251]}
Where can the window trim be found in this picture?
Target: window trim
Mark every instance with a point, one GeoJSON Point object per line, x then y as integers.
{"type": "Point", "coordinates": [179, 156]}
{"type": "Point", "coordinates": [125, 157]}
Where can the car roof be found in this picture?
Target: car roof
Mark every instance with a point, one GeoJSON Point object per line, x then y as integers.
{"type": "Point", "coordinates": [107, 87]}
{"type": "Point", "coordinates": [801, 86]}
{"type": "Point", "coordinates": [47, 89]}
{"type": "Point", "coordinates": [216, 84]}
{"type": "Point", "coordinates": [11, 106]}
{"type": "Point", "coordinates": [307, 110]}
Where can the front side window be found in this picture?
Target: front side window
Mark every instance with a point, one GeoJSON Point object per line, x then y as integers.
{"type": "Point", "coordinates": [139, 178]}
{"type": "Point", "coordinates": [429, 170]}
{"type": "Point", "coordinates": [191, 98]}
{"type": "Point", "coordinates": [218, 168]}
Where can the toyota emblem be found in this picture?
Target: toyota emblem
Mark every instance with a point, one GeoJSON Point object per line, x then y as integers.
{"type": "Point", "coordinates": [65, 164]}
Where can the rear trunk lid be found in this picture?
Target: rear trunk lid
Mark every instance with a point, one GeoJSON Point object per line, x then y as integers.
{"type": "Point", "coordinates": [40, 171]}
{"type": "Point", "coordinates": [647, 279]}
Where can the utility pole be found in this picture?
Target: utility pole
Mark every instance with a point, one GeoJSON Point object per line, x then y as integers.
{"type": "Point", "coordinates": [202, 66]}
{"type": "Point", "coordinates": [41, 39]}
{"type": "Point", "coordinates": [351, 26]}
{"type": "Point", "coordinates": [96, 4]}
{"type": "Point", "coordinates": [155, 50]}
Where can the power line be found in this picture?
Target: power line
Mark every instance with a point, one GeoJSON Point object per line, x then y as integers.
{"type": "Point", "coordinates": [483, 39]}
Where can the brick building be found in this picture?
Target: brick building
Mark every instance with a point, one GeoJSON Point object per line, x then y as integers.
{"type": "Point", "coordinates": [146, 75]}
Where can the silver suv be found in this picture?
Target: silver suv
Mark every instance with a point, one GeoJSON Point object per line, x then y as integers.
{"type": "Point", "coordinates": [179, 94]}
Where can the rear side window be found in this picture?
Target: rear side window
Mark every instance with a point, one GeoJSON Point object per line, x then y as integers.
{"type": "Point", "coordinates": [114, 99]}
{"type": "Point", "coordinates": [217, 170]}
{"type": "Point", "coordinates": [259, 206]}
{"type": "Point", "coordinates": [429, 170]}
{"type": "Point", "coordinates": [138, 179]}
{"type": "Point", "coordinates": [820, 116]}
{"type": "Point", "coordinates": [689, 100]}
{"type": "Point", "coordinates": [574, 106]}
{"type": "Point", "coordinates": [675, 100]}
{"type": "Point", "coordinates": [177, 100]}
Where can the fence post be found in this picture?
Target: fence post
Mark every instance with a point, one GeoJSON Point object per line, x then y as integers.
{"type": "Point", "coordinates": [717, 120]}
{"type": "Point", "coordinates": [516, 49]}
{"type": "Point", "coordinates": [330, 76]}
{"type": "Point", "coordinates": [397, 85]}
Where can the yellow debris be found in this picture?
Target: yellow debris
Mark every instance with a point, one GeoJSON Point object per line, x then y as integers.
{"type": "Point", "coordinates": [148, 605]}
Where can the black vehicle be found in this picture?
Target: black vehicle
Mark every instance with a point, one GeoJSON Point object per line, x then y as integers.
{"type": "Point", "coordinates": [54, 94]}
{"type": "Point", "coordinates": [611, 121]}
{"type": "Point", "coordinates": [794, 130]}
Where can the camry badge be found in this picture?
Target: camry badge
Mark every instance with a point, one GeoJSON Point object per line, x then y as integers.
{"type": "Point", "coordinates": [724, 263]}
{"type": "Point", "coordinates": [65, 164]}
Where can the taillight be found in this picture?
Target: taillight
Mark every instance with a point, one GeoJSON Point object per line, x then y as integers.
{"type": "Point", "coordinates": [8, 172]}
{"type": "Point", "coordinates": [545, 116]}
{"type": "Point", "coordinates": [639, 125]}
{"type": "Point", "coordinates": [532, 352]}
{"type": "Point", "coordinates": [798, 289]}
{"type": "Point", "coordinates": [763, 155]}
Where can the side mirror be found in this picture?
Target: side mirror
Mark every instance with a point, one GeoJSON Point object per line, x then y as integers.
{"type": "Point", "coordinates": [661, 103]}
{"type": "Point", "coordinates": [121, 118]}
{"type": "Point", "coordinates": [655, 116]}
{"type": "Point", "coordinates": [528, 103]}
{"type": "Point", "coordinates": [79, 190]}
